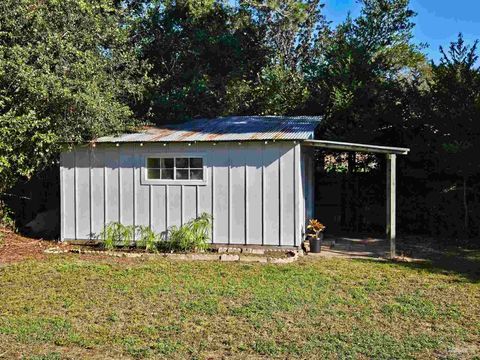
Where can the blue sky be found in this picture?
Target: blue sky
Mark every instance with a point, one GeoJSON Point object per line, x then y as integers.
{"type": "Point", "coordinates": [437, 22]}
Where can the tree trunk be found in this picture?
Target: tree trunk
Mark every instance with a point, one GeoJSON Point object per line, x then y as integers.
{"type": "Point", "coordinates": [465, 205]}
{"type": "Point", "coordinates": [351, 192]}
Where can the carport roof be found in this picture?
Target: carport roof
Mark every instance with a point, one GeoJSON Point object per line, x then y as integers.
{"type": "Point", "coordinates": [366, 148]}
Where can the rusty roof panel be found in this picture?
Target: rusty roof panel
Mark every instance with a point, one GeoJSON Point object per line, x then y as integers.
{"type": "Point", "coordinates": [234, 128]}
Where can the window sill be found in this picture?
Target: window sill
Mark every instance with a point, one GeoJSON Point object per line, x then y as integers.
{"type": "Point", "coordinates": [173, 182]}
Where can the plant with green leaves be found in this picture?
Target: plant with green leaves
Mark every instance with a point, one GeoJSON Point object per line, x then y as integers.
{"type": "Point", "coordinates": [116, 234]}
{"type": "Point", "coordinates": [192, 236]}
{"type": "Point", "coordinates": [147, 239]}
{"type": "Point", "coordinates": [68, 72]}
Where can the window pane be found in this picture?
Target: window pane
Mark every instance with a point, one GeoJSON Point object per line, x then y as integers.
{"type": "Point", "coordinates": [153, 163]}
{"type": "Point", "coordinates": [182, 175]}
{"type": "Point", "coordinates": [167, 163]}
{"type": "Point", "coordinates": [196, 163]}
{"type": "Point", "coordinates": [182, 163]}
{"type": "Point", "coordinates": [167, 174]}
{"type": "Point", "coordinates": [153, 174]}
{"type": "Point", "coordinates": [196, 174]}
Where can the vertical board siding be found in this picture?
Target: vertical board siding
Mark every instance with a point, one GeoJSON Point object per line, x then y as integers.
{"type": "Point", "coordinates": [237, 194]}
{"type": "Point", "coordinates": [142, 192]}
{"type": "Point", "coordinates": [221, 164]}
{"type": "Point", "coordinates": [174, 210]}
{"type": "Point", "coordinates": [272, 201]}
{"type": "Point", "coordinates": [112, 193]}
{"type": "Point", "coordinates": [189, 203]}
{"type": "Point", "coordinates": [254, 191]}
{"type": "Point", "coordinates": [254, 164]}
{"type": "Point", "coordinates": [299, 215]}
{"type": "Point", "coordinates": [159, 208]}
{"type": "Point", "coordinates": [287, 191]}
{"type": "Point", "coordinates": [127, 165]}
{"type": "Point", "coordinates": [97, 160]}
{"type": "Point", "coordinates": [68, 195]}
{"type": "Point", "coordinates": [82, 171]}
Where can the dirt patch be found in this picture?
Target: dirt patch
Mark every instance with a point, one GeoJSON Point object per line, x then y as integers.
{"type": "Point", "coordinates": [15, 248]}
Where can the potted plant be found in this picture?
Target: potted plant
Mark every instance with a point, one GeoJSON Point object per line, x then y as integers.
{"type": "Point", "coordinates": [315, 231]}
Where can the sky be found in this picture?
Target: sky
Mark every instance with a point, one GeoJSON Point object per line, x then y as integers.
{"type": "Point", "coordinates": [438, 22]}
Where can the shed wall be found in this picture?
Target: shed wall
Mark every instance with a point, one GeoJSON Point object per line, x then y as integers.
{"type": "Point", "coordinates": [254, 191]}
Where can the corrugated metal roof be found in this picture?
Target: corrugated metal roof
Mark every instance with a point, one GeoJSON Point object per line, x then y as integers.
{"type": "Point", "coordinates": [233, 128]}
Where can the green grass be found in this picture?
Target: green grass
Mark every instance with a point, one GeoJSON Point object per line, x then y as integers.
{"type": "Point", "coordinates": [66, 307]}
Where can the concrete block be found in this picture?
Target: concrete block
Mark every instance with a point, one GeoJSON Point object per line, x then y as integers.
{"type": "Point", "coordinates": [227, 257]}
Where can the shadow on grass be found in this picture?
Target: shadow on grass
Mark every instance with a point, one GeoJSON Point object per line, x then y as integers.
{"type": "Point", "coordinates": [462, 262]}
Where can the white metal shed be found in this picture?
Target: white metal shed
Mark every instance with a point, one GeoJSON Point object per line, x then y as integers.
{"type": "Point", "coordinates": [253, 174]}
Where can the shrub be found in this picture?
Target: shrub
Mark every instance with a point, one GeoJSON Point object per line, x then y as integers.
{"type": "Point", "coordinates": [147, 238]}
{"type": "Point", "coordinates": [193, 236]}
{"type": "Point", "coordinates": [116, 234]}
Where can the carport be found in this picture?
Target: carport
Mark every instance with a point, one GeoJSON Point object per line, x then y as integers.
{"type": "Point", "coordinates": [391, 158]}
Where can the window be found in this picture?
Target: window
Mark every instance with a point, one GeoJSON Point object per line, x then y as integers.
{"type": "Point", "coordinates": [179, 168]}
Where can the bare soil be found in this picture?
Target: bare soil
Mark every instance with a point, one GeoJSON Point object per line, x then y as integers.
{"type": "Point", "coordinates": [15, 248]}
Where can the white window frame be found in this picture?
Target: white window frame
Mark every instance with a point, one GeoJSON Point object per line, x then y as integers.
{"type": "Point", "coordinates": [147, 181]}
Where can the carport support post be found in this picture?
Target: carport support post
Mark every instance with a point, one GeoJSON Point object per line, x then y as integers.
{"type": "Point", "coordinates": [391, 201]}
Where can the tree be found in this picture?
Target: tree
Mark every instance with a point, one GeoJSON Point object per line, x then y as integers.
{"type": "Point", "coordinates": [293, 28]}
{"type": "Point", "coordinates": [67, 74]}
{"type": "Point", "coordinates": [196, 53]}
{"type": "Point", "coordinates": [455, 91]}
{"type": "Point", "coordinates": [360, 79]}
{"type": "Point", "coordinates": [294, 31]}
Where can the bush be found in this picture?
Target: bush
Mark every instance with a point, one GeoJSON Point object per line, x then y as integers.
{"type": "Point", "coordinates": [147, 239]}
{"type": "Point", "coordinates": [116, 234]}
{"type": "Point", "coordinates": [193, 236]}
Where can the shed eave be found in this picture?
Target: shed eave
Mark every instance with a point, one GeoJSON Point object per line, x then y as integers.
{"type": "Point", "coordinates": [346, 146]}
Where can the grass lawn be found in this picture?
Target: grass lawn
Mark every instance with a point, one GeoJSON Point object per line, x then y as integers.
{"type": "Point", "coordinates": [71, 306]}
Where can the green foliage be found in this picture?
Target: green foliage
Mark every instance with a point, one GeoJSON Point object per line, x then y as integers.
{"type": "Point", "coordinates": [6, 216]}
{"type": "Point", "coordinates": [366, 65]}
{"type": "Point", "coordinates": [67, 73]}
{"type": "Point", "coordinates": [117, 235]}
{"type": "Point", "coordinates": [195, 51]}
{"type": "Point", "coordinates": [280, 91]}
{"type": "Point", "coordinates": [192, 236]}
{"type": "Point", "coordinates": [147, 239]}
{"type": "Point", "coordinates": [29, 142]}
{"type": "Point", "coordinates": [455, 89]}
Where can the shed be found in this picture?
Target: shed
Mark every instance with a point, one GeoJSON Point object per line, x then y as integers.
{"type": "Point", "coordinates": [253, 174]}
